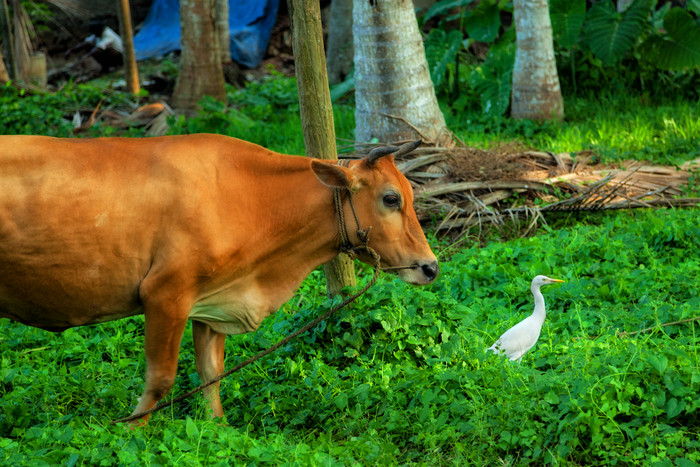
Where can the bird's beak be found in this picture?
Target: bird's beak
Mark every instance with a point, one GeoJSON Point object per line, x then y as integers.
{"type": "Point", "coordinates": [556, 280]}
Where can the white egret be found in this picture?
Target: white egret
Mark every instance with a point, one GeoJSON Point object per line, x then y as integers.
{"type": "Point", "coordinates": [516, 341]}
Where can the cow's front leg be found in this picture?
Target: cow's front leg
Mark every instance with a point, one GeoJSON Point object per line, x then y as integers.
{"type": "Point", "coordinates": [209, 354]}
{"type": "Point", "coordinates": [166, 317]}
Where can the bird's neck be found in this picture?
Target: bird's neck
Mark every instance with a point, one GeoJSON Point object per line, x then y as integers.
{"type": "Point", "coordinates": [539, 303]}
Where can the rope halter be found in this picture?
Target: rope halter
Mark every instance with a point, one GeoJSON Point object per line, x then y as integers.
{"type": "Point", "coordinates": [346, 245]}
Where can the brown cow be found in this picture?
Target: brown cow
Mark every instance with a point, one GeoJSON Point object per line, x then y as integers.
{"type": "Point", "coordinates": [200, 227]}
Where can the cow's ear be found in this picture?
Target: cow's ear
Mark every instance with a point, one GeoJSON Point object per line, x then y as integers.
{"type": "Point", "coordinates": [333, 175]}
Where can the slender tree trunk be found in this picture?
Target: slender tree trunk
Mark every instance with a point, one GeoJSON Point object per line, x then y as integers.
{"type": "Point", "coordinates": [339, 51]}
{"type": "Point", "coordinates": [394, 95]}
{"type": "Point", "coordinates": [536, 93]}
{"type": "Point", "coordinates": [222, 31]}
{"type": "Point", "coordinates": [200, 63]}
{"type": "Point", "coordinates": [127, 33]}
{"type": "Point", "coordinates": [316, 110]}
{"type": "Point", "coordinates": [232, 72]}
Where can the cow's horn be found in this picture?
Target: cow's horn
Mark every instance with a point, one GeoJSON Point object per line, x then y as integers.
{"type": "Point", "coordinates": [407, 147]}
{"type": "Point", "coordinates": [376, 153]}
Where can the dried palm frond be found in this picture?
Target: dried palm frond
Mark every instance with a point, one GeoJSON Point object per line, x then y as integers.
{"type": "Point", "coordinates": [24, 35]}
{"type": "Point", "coordinates": [23, 31]}
{"type": "Point", "coordinates": [446, 190]}
{"type": "Point", "coordinates": [72, 8]}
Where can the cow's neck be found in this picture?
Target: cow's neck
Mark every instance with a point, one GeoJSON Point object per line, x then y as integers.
{"type": "Point", "coordinates": [300, 230]}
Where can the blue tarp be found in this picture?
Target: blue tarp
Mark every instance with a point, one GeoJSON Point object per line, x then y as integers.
{"type": "Point", "coordinates": [250, 23]}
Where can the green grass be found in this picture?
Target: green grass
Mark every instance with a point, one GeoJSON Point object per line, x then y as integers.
{"type": "Point", "coordinates": [23, 113]}
{"type": "Point", "coordinates": [614, 127]}
{"type": "Point", "coordinates": [401, 377]}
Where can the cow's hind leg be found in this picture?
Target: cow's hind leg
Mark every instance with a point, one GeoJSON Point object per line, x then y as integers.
{"type": "Point", "coordinates": [209, 353]}
{"type": "Point", "coordinates": [166, 317]}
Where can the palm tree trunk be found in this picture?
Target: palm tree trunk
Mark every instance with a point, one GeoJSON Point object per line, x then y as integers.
{"type": "Point", "coordinates": [394, 95]}
{"type": "Point", "coordinates": [222, 29]}
{"type": "Point", "coordinates": [536, 93]}
{"type": "Point", "coordinates": [339, 49]}
{"type": "Point", "coordinates": [200, 63]}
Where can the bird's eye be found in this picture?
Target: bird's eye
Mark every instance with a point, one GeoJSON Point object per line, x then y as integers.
{"type": "Point", "coordinates": [391, 200]}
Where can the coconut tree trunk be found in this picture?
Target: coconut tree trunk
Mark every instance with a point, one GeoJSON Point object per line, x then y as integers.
{"type": "Point", "coordinates": [339, 50]}
{"type": "Point", "coordinates": [536, 93]}
{"type": "Point", "coordinates": [200, 63]}
{"type": "Point", "coordinates": [222, 31]}
{"type": "Point", "coordinates": [394, 95]}
{"type": "Point", "coordinates": [316, 110]}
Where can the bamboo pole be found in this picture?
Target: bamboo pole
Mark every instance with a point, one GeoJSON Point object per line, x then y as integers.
{"type": "Point", "coordinates": [316, 110]}
{"type": "Point", "coordinates": [127, 33]}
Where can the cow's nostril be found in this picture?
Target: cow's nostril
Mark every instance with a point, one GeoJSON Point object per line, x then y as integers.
{"type": "Point", "coordinates": [431, 270]}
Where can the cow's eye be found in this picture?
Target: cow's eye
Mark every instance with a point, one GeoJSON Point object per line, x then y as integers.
{"type": "Point", "coordinates": [391, 200]}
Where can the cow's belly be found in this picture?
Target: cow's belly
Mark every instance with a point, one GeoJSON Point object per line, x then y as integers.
{"type": "Point", "coordinates": [239, 308]}
{"type": "Point", "coordinates": [220, 318]}
{"type": "Point", "coordinates": [56, 298]}
{"type": "Point", "coordinates": [50, 318]}
{"type": "Point", "coordinates": [232, 312]}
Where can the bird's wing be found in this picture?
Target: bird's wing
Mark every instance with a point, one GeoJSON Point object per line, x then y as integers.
{"type": "Point", "coordinates": [518, 339]}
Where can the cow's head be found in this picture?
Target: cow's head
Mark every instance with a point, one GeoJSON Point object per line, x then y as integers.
{"type": "Point", "coordinates": [383, 200]}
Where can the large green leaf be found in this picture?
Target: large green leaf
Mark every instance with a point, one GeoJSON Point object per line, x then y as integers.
{"type": "Point", "coordinates": [483, 22]}
{"type": "Point", "coordinates": [611, 34]}
{"type": "Point", "coordinates": [441, 49]}
{"type": "Point", "coordinates": [567, 20]}
{"type": "Point", "coordinates": [680, 47]}
{"type": "Point", "coordinates": [658, 15]}
{"type": "Point", "coordinates": [454, 44]}
{"type": "Point", "coordinates": [493, 80]}
{"type": "Point", "coordinates": [694, 6]}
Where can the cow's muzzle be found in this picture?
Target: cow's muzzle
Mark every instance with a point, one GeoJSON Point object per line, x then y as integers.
{"type": "Point", "coordinates": [420, 273]}
{"type": "Point", "coordinates": [430, 270]}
